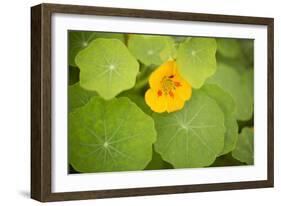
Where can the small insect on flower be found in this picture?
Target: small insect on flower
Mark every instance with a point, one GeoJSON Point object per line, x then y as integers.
{"type": "Point", "coordinates": [168, 90]}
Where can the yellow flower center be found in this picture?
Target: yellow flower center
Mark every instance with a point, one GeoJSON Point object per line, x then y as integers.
{"type": "Point", "coordinates": [168, 86]}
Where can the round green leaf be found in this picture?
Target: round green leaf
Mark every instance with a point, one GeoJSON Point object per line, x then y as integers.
{"type": "Point", "coordinates": [112, 135]}
{"type": "Point", "coordinates": [151, 49]}
{"type": "Point", "coordinates": [228, 106]}
{"type": "Point", "coordinates": [230, 80]}
{"type": "Point", "coordinates": [244, 151]}
{"type": "Point", "coordinates": [77, 96]}
{"type": "Point", "coordinates": [79, 40]}
{"type": "Point", "coordinates": [228, 47]}
{"type": "Point", "coordinates": [196, 59]}
{"type": "Point", "coordinates": [193, 136]}
{"type": "Point", "coordinates": [107, 66]}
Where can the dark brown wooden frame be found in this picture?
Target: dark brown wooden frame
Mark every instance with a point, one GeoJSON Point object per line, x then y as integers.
{"type": "Point", "coordinates": [41, 101]}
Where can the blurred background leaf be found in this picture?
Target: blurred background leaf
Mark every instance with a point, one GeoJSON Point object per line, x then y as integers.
{"type": "Point", "coordinates": [244, 150]}
{"type": "Point", "coordinates": [151, 50]}
{"type": "Point", "coordinates": [237, 53]}
{"type": "Point", "coordinates": [228, 106]}
{"type": "Point", "coordinates": [231, 81]}
{"type": "Point", "coordinates": [229, 48]}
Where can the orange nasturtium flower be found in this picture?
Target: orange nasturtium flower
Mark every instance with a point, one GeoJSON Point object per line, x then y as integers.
{"type": "Point", "coordinates": [168, 90]}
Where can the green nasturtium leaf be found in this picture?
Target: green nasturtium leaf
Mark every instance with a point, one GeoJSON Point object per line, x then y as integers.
{"type": "Point", "coordinates": [107, 66]}
{"type": "Point", "coordinates": [151, 50]}
{"type": "Point", "coordinates": [244, 151]}
{"type": "Point", "coordinates": [231, 81]}
{"type": "Point", "coordinates": [113, 135]}
{"type": "Point", "coordinates": [229, 47]}
{"type": "Point", "coordinates": [196, 59]}
{"type": "Point", "coordinates": [228, 106]}
{"type": "Point", "coordinates": [79, 40]}
{"type": "Point", "coordinates": [77, 96]}
{"type": "Point", "coordinates": [193, 136]}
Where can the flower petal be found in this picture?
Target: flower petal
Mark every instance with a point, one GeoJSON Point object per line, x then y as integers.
{"type": "Point", "coordinates": [184, 91]}
{"type": "Point", "coordinates": [174, 103]}
{"type": "Point", "coordinates": [157, 102]}
{"type": "Point", "coordinates": [165, 69]}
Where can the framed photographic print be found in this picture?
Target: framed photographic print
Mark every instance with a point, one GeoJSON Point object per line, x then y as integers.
{"type": "Point", "coordinates": [130, 102]}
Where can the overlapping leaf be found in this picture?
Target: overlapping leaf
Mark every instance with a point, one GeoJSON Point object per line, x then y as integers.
{"type": "Point", "coordinates": [196, 58]}
{"type": "Point", "coordinates": [244, 150]}
{"type": "Point", "coordinates": [151, 49]}
{"type": "Point", "coordinates": [230, 80]}
{"type": "Point", "coordinates": [228, 106]}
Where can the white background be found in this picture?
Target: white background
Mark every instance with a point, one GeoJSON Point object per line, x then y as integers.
{"type": "Point", "coordinates": [15, 102]}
